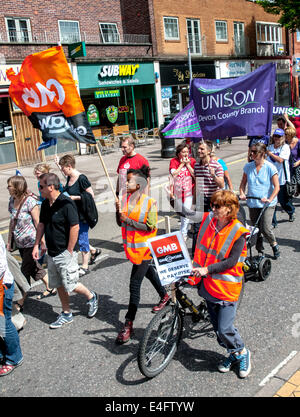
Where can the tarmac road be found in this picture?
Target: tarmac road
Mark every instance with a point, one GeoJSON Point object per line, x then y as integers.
{"type": "Point", "coordinates": [82, 359]}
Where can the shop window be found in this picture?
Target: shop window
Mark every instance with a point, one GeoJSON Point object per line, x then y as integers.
{"type": "Point", "coordinates": [171, 28]}
{"type": "Point", "coordinates": [18, 30]}
{"type": "Point", "coordinates": [69, 31]}
{"type": "Point", "coordinates": [109, 33]}
{"type": "Point", "coordinates": [194, 36]}
{"type": "Point", "coordinates": [221, 31]}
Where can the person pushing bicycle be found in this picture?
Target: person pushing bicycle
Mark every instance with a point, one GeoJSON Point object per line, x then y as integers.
{"type": "Point", "coordinates": [218, 272]}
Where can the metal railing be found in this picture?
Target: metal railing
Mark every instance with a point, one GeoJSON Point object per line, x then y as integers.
{"type": "Point", "coordinates": [40, 37]}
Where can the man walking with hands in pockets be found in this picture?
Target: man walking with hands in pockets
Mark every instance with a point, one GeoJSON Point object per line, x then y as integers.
{"type": "Point", "coordinates": [60, 223]}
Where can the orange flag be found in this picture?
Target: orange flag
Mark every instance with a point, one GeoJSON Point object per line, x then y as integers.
{"type": "Point", "coordinates": [45, 91]}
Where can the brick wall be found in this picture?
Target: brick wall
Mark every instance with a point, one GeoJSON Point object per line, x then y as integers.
{"type": "Point", "coordinates": [207, 12]}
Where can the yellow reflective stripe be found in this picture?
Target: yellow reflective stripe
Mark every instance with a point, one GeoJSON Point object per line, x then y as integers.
{"type": "Point", "coordinates": [227, 278]}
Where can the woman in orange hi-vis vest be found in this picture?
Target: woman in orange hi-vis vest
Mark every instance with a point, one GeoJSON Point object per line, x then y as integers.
{"type": "Point", "coordinates": [218, 271]}
{"type": "Point", "coordinates": [137, 215]}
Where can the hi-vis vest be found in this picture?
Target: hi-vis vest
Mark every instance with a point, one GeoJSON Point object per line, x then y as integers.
{"type": "Point", "coordinates": [134, 240]}
{"type": "Point", "coordinates": [212, 247]}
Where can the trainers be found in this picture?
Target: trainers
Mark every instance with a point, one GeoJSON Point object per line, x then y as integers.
{"type": "Point", "coordinates": [126, 333]}
{"type": "Point", "coordinates": [276, 251]}
{"type": "Point", "coordinates": [93, 305]}
{"type": "Point", "coordinates": [62, 319]}
{"type": "Point", "coordinates": [292, 217]}
{"type": "Point", "coordinates": [244, 363]}
{"type": "Point", "coordinates": [83, 271]}
{"type": "Point", "coordinates": [94, 256]}
{"type": "Point", "coordinates": [228, 362]}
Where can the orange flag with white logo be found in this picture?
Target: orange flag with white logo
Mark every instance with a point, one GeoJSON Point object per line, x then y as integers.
{"type": "Point", "coordinates": [45, 91]}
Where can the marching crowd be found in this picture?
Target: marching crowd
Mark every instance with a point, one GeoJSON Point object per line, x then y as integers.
{"type": "Point", "coordinates": [200, 189]}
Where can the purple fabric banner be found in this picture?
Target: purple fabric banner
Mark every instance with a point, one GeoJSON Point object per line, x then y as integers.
{"type": "Point", "coordinates": [235, 106]}
{"type": "Point", "coordinates": [184, 124]}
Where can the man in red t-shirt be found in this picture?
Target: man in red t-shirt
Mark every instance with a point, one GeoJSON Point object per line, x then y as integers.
{"type": "Point", "coordinates": [130, 160]}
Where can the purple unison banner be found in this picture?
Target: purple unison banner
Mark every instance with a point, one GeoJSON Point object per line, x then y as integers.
{"type": "Point", "coordinates": [235, 106]}
{"type": "Point", "coordinates": [184, 125]}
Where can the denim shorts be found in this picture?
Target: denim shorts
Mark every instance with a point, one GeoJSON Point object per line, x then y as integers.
{"type": "Point", "coordinates": [83, 237]}
{"type": "Point", "coordinates": [63, 271]}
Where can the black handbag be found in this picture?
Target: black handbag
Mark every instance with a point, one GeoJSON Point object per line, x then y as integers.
{"type": "Point", "coordinates": [291, 186]}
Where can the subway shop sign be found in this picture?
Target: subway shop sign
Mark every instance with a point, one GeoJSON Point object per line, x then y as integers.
{"type": "Point", "coordinates": [115, 74]}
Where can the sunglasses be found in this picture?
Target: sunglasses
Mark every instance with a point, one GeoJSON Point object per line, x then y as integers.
{"type": "Point", "coordinates": [254, 152]}
{"type": "Point", "coordinates": [216, 206]}
{"type": "Point", "coordinates": [44, 186]}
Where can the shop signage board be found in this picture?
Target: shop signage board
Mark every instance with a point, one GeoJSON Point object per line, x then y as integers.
{"type": "Point", "coordinates": [232, 69]}
{"type": "Point", "coordinates": [171, 257]}
{"type": "Point", "coordinates": [107, 93]}
{"type": "Point", "coordinates": [112, 113]}
{"type": "Point", "coordinates": [180, 74]}
{"type": "Point", "coordinates": [77, 50]}
{"type": "Point", "coordinates": [115, 74]}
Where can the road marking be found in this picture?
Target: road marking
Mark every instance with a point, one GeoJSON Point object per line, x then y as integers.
{"type": "Point", "coordinates": [275, 370]}
{"type": "Point", "coordinates": [238, 160]}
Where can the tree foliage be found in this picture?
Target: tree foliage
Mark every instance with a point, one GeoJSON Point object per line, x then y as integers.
{"type": "Point", "coordinates": [288, 10]}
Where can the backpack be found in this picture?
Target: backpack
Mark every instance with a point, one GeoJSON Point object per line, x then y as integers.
{"type": "Point", "coordinates": [89, 209]}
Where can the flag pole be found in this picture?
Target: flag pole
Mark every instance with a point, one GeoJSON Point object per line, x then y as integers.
{"type": "Point", "coordinates": [106, 172]}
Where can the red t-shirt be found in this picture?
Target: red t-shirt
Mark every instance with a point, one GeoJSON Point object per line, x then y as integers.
{"type": "Point", "coordinates": [132, 162]}
{"type": "Point", "coordinates": [183, 182]}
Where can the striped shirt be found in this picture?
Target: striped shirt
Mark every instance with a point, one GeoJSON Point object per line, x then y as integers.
{"type": "Point", "coordinates": [205, 182]}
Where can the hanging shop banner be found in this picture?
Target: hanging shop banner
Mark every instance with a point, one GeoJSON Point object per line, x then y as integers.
{"type": "Point", "coordinates": [93, 115]}
{"type": "Point", "coordinates": [45, 91]}
{"type": "Point", "coordinates": [112, 113]}
{"type": "Point", "coordinates": [171, 257]}
{"type": "Point", "coordinates": [184, 124]}
{"type": "Point", "coordinates": [236, 106]}
{"type": "Point", "coordinates": [106, 93]}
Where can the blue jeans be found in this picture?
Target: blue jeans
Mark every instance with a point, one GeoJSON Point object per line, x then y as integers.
{"type": "Point", "coordinates": [222, 317]}
{"type": "Point", "coordinates": [10, 348]}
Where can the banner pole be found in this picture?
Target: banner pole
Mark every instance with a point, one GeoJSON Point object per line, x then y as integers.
{"type": "Point", "coordinates": [168, 230]}
{"type": "Point", "coordinates": [106, 172]}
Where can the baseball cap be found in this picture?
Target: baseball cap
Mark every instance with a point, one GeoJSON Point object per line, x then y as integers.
{"type": "Point", "coordinates": [278, 132]}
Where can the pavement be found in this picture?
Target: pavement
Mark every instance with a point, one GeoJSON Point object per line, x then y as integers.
{"type": "Point", "coordinates": [284, 380]}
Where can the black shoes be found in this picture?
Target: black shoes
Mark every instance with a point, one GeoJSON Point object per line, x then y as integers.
{"type": "Point", "coordinates": [276, 251]}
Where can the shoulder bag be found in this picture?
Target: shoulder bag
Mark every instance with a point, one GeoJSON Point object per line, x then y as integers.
{"type": "Point", "coordinates": [291, 186]}
{"type": "Point", "coordinates": [13, 245]}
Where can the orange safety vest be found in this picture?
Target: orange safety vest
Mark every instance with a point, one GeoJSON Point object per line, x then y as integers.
{"type": "Point", "coordinates": [212, 247]}
{"type": "Point", "coordinates": [134, 240]}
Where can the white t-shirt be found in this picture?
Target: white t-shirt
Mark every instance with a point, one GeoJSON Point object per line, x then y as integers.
{"type": "Point", "coordinates": [8, 278]}
{"type": "Point", "coordinates": [284, 153]}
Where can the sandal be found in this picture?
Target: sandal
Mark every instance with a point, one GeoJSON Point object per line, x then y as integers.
{"type": "Point", "coordinates": [20, 307]}
{"type": "Point", "coordinates": [47, 293]}
{"type": "Point", "coordinates": [7, 369]}
{"type": "Point", "coordinates": [94, 256]}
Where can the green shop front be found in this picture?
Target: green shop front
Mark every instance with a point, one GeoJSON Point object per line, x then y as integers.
{"type": "Point", "coordinates": [118, 97]}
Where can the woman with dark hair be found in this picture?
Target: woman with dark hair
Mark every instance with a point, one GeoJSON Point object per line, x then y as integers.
{"type": "Point", "coordinates": [218, 271]}
{"type": "Point", "coordinates": [262, 179]}
{"type": "Point", "coordinates": [137, 216]}
{"type": "Point", "coordinates": [24, 218]}
{"type": "Point", "coordinates": [182, 178]}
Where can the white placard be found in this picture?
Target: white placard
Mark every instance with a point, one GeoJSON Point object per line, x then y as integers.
{"type": "Point", "coordinates": [171, 257]}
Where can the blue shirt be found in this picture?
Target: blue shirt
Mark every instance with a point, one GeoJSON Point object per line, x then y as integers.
{"type": "Point", "coordinates": [260, 184]}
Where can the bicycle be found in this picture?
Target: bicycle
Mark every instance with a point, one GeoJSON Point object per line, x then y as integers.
{"type": "Point", "coordinates": [164, 332]}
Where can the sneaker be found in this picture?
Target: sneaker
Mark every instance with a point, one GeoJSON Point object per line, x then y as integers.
{"type": "Point", "coordinates": [94, 256]}
{"type": "Point", "coordinates": [93, 305]}
{"type": "Point", "coordinates": [244, 363]}
{"type": "Point", "coordinates": [126, 333]}
{"type": "Point", "coordinates": [292, 217]}
{"type": "Point", "coordinates": [227, 364]}
{"type": "Point", "coordinates": [276, 251]}
{"type": "Point", "coordinates": [83, 271]}
{"type": "Point", "coordinates": [62, 319]}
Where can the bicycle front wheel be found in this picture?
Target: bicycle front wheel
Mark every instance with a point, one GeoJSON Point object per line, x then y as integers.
{"type": "Point", "coordinates": [160, 341]}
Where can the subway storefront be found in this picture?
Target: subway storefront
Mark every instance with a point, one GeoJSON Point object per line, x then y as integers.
{"type": "Point", "coordinates": [118, 97]}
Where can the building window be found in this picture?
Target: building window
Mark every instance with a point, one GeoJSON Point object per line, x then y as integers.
{"type": "Point", "coordinates": [171, 28]}
{"type": "Point", "coordinates": [268, 38]}
{"type": "Point", "coordinates": [69, 31]}
{"type": "Point", "coordinates": [18, 30]}
{"type": "Point", "coordinates": [194, 35]}
{"type": "Point", "coordinates": [221, 31]}
{"type": "Point", "coordinates": [109, 33]}
{"type": "Point", "coordinates": [239, 38]}
{"type": "Point", "coordinates": [298, 35]}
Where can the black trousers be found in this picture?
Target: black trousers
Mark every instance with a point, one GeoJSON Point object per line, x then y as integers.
{"type": "Point", "coordinates": [145, 269]}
